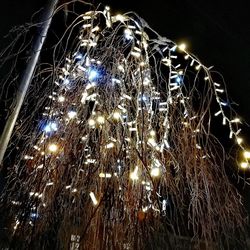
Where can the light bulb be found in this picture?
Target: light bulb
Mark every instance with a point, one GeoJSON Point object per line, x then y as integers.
{"type": "Point", "coordinates": [61, 98]}
{"type": "Point", "coordinates": [91, 122]}
{"type": "Point", "coordinates": [100, 119]}
{"type": "Point", "coordinates": [72, 114]}
{"type": "Point", "coordinates": [110, 145]}
{"type": "Point", "coordinates": [134, 175]}
{"type": "Point", "coordinates": [53, 147]}
{"type": "Point", "coordinates": [93, 74]}
{"type": "Point", "coordinates": [182, 46]}
{"type": "Point", "coordinates": [155, 172]}
{"type": "Point", "coordinates": [128, 34]}
{"type": "Point", "coordinates": [116, 115]}
{"type": "Point", "coordinates": [244, 165]}
{"type": "Point", "coordinates": [152, 133]}
{"type": "Point", "coordinates": [246, 154]}
{"type": "Point", "coordinates": [239, 140]}
{"type": "Point", "coordinates": [93, 198]}
{"type": "Point", "coordinates": [50, 127]}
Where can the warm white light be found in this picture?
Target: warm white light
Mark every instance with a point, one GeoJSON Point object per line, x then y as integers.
{"type": "Point", "coordinates": [134, 175]}
{"type": "Point", "coordinates": [236, 120]}
{"type": "Point", "coordinates": [61, 98]}
{"type": "Point", "coordinates": [53, 148]}
{"type": "Point", "coordinates": [239, 140]}
{"type": "Point", "coordinates": [198, 67]}
{"type": "Point", "coordinates": [152, 142]}
{"type": "Point", "coordinates": [72, 114]}
{"type": "Point", "coordinates": [182, 46]}
{"type": "Point", "coordinates": [152, 133]}
{"type": "Point", "coordinates": [116, 115]}
{"type": "Point", "coordinates": [155, 172]}
{"type": "Point", "coordinates": [100, 119]}
{"type": "Point", "coordinates": [93, 198]}
{"type": "Point", "coordinates": [110, 145]}
{"type": "Point", "coordinates": [244, 165]}
{"type": "Point", "coordinates": [246, 154]}
{"type": "Point", "coordinates": [91, 122]}
{"type": "Point", "coordinates": [120, 18]}
{"type": "Point", "coordinates": [105, 175]}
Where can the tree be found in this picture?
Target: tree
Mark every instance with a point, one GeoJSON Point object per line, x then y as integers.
{"type": "Point", "coordinates": [117, 148]}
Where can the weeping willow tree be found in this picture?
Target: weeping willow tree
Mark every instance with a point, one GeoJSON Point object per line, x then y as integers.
{"type": "Point", "coordinates": [113, 148]}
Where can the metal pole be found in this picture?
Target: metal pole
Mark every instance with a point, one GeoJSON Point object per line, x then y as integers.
{"type": "Point", "coordinates": [27, 77]}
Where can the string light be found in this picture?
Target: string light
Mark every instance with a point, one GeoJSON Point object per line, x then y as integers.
{"type": "Point", "coordinates": [91, 122]}
{"type": "Point", "coordinates": [246, 154]}
{"type": "Point", "coordinates": [53, 148]}
{"type": "Point", "coordinates": [155, 172]}
{"type": "Point", "coordinates": [133, 107]}
{"type": "Point", "coordinates": [93, 198]}
{"type": "Point", "coordinates": [100, 119]}
{"type": "Point", "coordinates": [61, 98]}
{"type": "Point", "coordinates": [182, 46]}
{"type": "Point", "coordinates": [93, 74]}
{"type": "Point", "coordinates": [244, 165]}
{"type": "Point", "coordinates": [134, 175]}
{"type": "Point", "coordinates": [128, 34]}
{"type": "Point", "coordinates": [72, 114]}
{"type": "Point", "coordinates": [116, 115]}
{"type": "Point", "coordinates": [50, 127]}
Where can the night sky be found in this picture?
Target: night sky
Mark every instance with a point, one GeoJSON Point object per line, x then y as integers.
{"type": "Point", "coordinates": [217, 33]}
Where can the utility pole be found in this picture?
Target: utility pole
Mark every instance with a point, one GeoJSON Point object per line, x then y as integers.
{"type": "Point", "coordinates": [27, 77]}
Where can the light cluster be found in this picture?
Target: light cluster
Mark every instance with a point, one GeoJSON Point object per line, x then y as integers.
{"type": "Point", "coordinates": [126, 147]}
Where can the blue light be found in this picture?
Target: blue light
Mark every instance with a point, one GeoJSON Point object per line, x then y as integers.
{"type": "Point", "coordinates": [179, 80]}
{"type": "Point", "coordinates": [50, 127]}
{"type": "Point", "coordinates": [34, 215]}
{"type": "Point", "coordinates": [78, 56]}
{"type": "Point", "coordinates": [93, 74]}
{"type": "Point", "coordinates": [128, 34]}
{"type": "Point", "coordinates": [143, 98]}
{"type": "Point", "coordinates": [66, 81]}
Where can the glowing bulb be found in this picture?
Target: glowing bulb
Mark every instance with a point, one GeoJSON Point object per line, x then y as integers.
{"type": "Point", "coordinates": [182, 46]}
{"type": "Point", "coordinates": [91, 122]}
{"type": "Point", "coordinates": [105, 175]}
{"type": "Point", "coordinates": [244, 165]}
{"type": "Point", "coordinates": [110, 145]}
{"type": "Point", "coordinates": [61, 98]}
{"type": "Point", "coordinates": [134, 175]}
{"type": "Point", "coordinates": [116, 115]}
{"type": "Point", "coordinates": [93, 74]}
{"type": "Point", "coordinates": [236, 120]}
{"type": "Point", "coordinates": [246, 154]}
{"type": "Point", "coordinates": [72, 114]}
{"type": "Point", "coordinates": [152, 142]}
{"type": "Point", "coordinates": [100, 119]}
{"type": "Point", "coordinates": [93, 198]}
{"type": "Point", "coordinates": [79, 56]}
{"type": "Point", "coordinates": [128, 34]}
{"type": "Point", "coordinates": [50, 127]}
{"type": "Point", "coordinates": [239, 140]}
{"type": "Point", "coordinates": [53, 147]}
{"type": "Point", "coordinates": [155, 172]}
{"type": "Point", "coordinates": [198, 67]}
{"type": "Point", "coordinates": [152, 133]}
{"type": "Point", "coordinates": [120, 18]}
